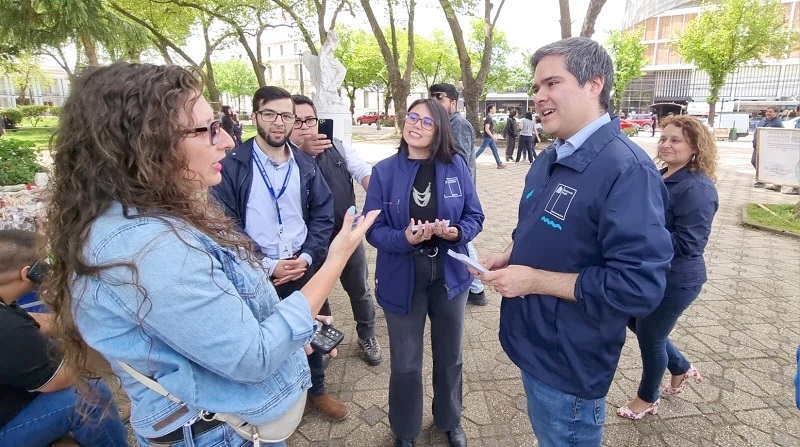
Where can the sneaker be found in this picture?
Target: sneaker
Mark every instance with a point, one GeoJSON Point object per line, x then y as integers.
{"type": "Point", "coordinates": [792, 191]}
{"type": "Point", "coordinates": [372, 350]}
{"type": "Point", "coordinates": [759, 185]}
{"type": "Point", "coordinates": [774, 188]}
{"type": "Point", "coordinates": [501, 166]}
{"type": "Point", "coordinates": [330, 406]}
{"type": "Point", "coordinates": [477, 299]}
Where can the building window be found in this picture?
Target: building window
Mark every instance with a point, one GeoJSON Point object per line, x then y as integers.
{"type": "Point", "coordinates": [650, 29]}
{"type": "Point", "coordinates": [269, 73]}
{"type": "Point", "coordinates": [283, 73]}
{"type": "Point", "coordinates": [269, 51]}
{"type": "Point", "coordinates": [366, 100]}
{"type": "Point", "coordinates": [280, 49]}
{"type": "Point", "coordinates": [295, 48]}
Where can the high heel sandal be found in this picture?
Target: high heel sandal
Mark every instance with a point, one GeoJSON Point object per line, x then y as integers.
{"type": "Point", "coordinates": [627, 413]}
{"type": "Point", "coordinates": [693, 374]}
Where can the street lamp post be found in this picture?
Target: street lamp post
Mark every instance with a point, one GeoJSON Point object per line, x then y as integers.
{"type": "Point", "coordinates": [300, 61]}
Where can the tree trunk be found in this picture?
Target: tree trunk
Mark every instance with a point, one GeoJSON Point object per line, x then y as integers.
{"type": "Point", "coordinates": [473, 83]}
{"type": "Point", "coordinates": [90, 49]}
{"type": "Point", "coordinates": [211, 83]}
{"type": "Point", "coordinates": [399, 82]}
{"type": "Point", "coordinates": [592, 11]}
{"type": "Point", "coordinates": [566, 20]}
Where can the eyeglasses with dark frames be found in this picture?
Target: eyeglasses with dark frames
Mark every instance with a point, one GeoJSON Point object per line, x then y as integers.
{"type": "Point", "coordinates": [212, 129]}
{"type": "Point", "coordinates": [427, 123]}
{"type": "Point", "coordinates": [439, 96]}
{"type": "Point", "coordinates": [309, 122]}
{"type": "Point", "coordinates": [269, 116]}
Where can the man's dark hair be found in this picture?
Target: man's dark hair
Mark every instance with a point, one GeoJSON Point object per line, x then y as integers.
{"type": "Point", "coordinates": [267, 94]}
{"type": "Point", "coordinates": [774, 109]}
{"type": "Point", "coordinates": [442, 146]}
{"type": "Point", "coordinates": [489, 108]}
{"type": "Point", "coordinates": [303, 99]}
{"type": "Point", "coordinates": [447, 89]}
{"type": "Point", "coordinates": [512, 113]}
{"type": "Point", "coordinates": [585, 59]}
{"type": "Point", "coordinates": [17, 249]}
{"type": "Point", "coordinates": [528, 116]}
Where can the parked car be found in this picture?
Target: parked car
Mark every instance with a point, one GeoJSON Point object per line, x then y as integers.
{"type": "Point", "coordinates": [628, 124]}
{"type": "Point", "coordinates": [499, 117]}
{"type": "Point", "coordinates": [643, 120]}
{"type": "Point", "coordinates": [371, 118]}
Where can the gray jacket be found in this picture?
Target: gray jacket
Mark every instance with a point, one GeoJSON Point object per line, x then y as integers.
{"type": "Point", "coordinates": [464, 139]}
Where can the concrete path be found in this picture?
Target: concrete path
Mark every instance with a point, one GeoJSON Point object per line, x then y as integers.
{"type": "Point", "coordinates": [741, 333]}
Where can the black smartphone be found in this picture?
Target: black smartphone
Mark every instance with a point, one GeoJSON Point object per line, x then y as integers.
{"type": "Point", "coordinates": [327, 338]}
{"type": "Point", "coordinates": [326, 127]}
{"type": "Point", "coordinates": [37, 271]}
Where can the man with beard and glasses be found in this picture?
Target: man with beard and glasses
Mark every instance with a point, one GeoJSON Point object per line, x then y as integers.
{"type": "Point", "coordinates": [281, 200]}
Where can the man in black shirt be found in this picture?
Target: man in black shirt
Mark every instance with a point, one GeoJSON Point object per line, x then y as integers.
{"type": "Point", "coordinates": [489, 137]}
{"type": "Point", "coordinates": [38, 404]}
{"type": "Point", "coordinates": [339, 165]}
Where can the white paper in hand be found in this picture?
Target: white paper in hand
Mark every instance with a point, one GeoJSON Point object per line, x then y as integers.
{"type": "Point", "coordinates": [466, 260]}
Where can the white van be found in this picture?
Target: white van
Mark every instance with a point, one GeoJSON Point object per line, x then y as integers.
{"type": "Point", "coordinates": [741, 121]}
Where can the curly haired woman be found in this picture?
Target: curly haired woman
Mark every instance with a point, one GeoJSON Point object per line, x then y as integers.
{"type": "Point", "coordinates": [689, 153]}
{"type": "Point", "coordinates": [148, 271]}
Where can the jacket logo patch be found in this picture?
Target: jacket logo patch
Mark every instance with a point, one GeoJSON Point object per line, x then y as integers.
{"type": "Point", "coordinates": [560, 200]}
{"type": "Point", "coordinates": [451, 187]}
{"type": "Point", "coordinates": [551, 223]}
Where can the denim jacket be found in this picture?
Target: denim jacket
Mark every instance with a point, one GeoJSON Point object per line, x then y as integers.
{"type": "Point", "coordinates": [211, 329]}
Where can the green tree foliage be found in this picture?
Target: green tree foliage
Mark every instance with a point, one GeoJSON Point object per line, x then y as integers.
{"type": "Point", "coordinates": [36, 25]}
{"type": "Point", "coordinates": [18, 162]}
{"type": "Point", "coordinates": [435, 60]}
{"type": "Point", "coordinates": [360, 55]}
{"type": "Point", "coordinates": [730, 33]}
{"type": "Point", "coordinates": [627, 50]}
{"type": "Point", "coordinates": [236, 78]}
{"type": "Point", "coordinates": [501, 77]}
{"type": "Point", "coordinates": [24, 72]}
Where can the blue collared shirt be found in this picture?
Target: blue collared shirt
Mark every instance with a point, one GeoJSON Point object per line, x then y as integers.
{"type": "Point", "coordinates": [567, 148]}
{"type": "Point", "coordinates": [262, 215]}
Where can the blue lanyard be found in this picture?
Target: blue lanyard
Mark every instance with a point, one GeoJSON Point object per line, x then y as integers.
{"type": "Point", "coordinates": [269, 184]}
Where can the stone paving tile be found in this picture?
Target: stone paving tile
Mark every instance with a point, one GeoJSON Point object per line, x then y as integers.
{"type": "Point", "coordinates": [741, 333]}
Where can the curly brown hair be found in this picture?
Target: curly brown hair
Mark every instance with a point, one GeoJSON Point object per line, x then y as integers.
{"type": "Point", "coordinates": [116, 142]}
{"type": "Point", "coordinates": [702, 141]}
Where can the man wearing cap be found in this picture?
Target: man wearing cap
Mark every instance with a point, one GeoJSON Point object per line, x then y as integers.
{"type": "Point", "coordinates": [464, 140]}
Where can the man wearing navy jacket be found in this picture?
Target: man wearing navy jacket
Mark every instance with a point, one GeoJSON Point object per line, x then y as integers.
{"type": "Point", "coordinates": [590, 248]}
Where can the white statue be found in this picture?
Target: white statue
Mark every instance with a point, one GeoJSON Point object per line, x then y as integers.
{"type": "Point", "coordinates": [327, 73]}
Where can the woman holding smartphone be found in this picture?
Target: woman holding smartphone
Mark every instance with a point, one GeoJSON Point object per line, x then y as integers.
{"type": "Point", "coordinates": [428, 205]}
{"type": "Point", "coordinates": [150, 272]}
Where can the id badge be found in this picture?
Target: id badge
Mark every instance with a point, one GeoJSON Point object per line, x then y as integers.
{"type": "Point", "coordinates": [284, 248]}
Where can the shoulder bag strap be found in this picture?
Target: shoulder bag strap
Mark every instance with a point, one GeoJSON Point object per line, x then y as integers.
{"type": "Point", "coordinates": [149, 383]}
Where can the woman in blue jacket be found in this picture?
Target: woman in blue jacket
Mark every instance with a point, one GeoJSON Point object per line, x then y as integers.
{"type": "Point", "coordinates": [429, 206]}
{"type": "Point", "coordinates": [149, 271]}
{"type": "Point", "coordinates": [689, 152]}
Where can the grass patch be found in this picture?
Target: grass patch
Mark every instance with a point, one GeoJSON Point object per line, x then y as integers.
{"type": "Point", "coordinates": [38, 136]}
{"type": "Point", "coordinates": [784, 218]}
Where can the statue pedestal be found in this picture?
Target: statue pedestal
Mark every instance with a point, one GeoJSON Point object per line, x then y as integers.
{"type": "Point", "coordinates": [342, 121]}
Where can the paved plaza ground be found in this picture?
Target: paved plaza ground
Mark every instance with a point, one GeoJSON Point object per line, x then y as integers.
{"type": "Point", "coordinates": [741, 333]}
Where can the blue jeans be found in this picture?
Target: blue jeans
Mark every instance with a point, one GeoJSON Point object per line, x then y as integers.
{"type": "Point", "coordinates": [50, 416]}
{"type": "Point", "coordinates": [222, 435]}
{"type": "Point", "coordinates": [489, 141]}
{"type": "Point", "coordinates": [563, 420]}
{"type": "Point", "coordinates": [476, 286]}
{"type": "Point", "coordinates": [652, 332]}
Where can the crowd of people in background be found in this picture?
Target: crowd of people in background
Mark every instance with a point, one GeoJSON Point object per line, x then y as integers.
{"type": "Point", "coordinates": [196, 267]}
